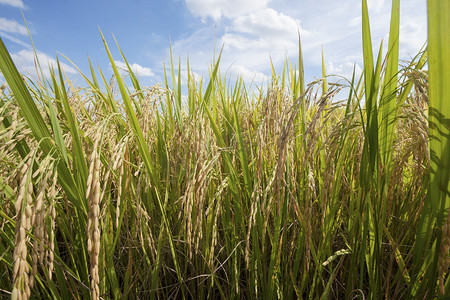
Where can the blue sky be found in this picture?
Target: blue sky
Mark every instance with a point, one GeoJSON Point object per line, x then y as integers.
{"type": "Point", "coordinates": [251, 31]}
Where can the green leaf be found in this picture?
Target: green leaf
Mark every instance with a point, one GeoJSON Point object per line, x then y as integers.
{"type": "Point", "coordinates": [437, 202]}
{"type": "Point", "coordinates": [37, 125]}
{"type": "Point", "coordinates": [389, 90]}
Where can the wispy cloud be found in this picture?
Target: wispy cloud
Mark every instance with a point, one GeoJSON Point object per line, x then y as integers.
{"type": "Point", "coordinates": [228, 8]}
{"type": "Point", "coordinates": [251, 34]}
{"type": "Point", "coordinates": [138, 69]}
{"type": "Point", "coordinates": [14, 39]}
{"type": "Point", "coordinates": [250, 40]}
{"type": "Point", "coordinates": [266, 22]}
{"type": "Point", "coordinates": [247, 75]}
{"type": "Point", "coordinates": [15, 3]}
{"type": "Point", "coordinates": [25, 63]}
{"type": "Point", "coordinates": [413, 33]}
{"type": "Point", "coordinates": [12, 26]}
{"type": "Point", "coordinates": [376, 5]}
{"type": "Point", "coordinates": [262, 33]}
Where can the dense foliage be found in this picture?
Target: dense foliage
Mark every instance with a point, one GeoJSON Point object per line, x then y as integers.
{"type": "Point", "coordinates": [321, 190]}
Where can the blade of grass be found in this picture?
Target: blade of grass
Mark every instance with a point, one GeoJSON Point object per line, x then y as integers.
{"type": "Point", "coordinates": [324, 76]}
{"type": "Point", "coordinates": [241, 146]}
{"type": "Point", "coordinates": [134, 80]}
{"type": "Point", "coordinates": [169, 110]}
{"type": "Point", "coordinates": [437, 203]}
{"type": "Point", "coordinates": [368, 161]}
{"type": "Point", "coordinates": [143, 147]}
{"type": "Point", "coordinates": [388, 101]}
{"type": "Point", "coordinates": [176, 85]}
{"type": "Point", "coordinates": [217, 133]}
{"type": "Point", "coordinates": [56, 127]}
{"type": "Point", "coordinates": [36, 123]}
{"type": "Point", "coordinates": [80, 165]}
{"type": "Point", "coordinates": [145, 154]}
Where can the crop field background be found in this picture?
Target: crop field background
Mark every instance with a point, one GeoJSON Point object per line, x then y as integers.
{"type": "Point", "coordinates": [110, 191]}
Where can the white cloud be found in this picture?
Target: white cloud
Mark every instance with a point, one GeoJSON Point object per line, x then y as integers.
{"type": "Point", "coordinates": [228, 8]}
{"type": "Point", "coordinates": [233, 41]}
{"type": "Point", "coordinates": [247, 75]}
{"type": "Point", "coordinates": [376, 5]}
{"type": "Point", "coordinates": [249, 41]}
{"type": "Point", "coordinates": [268, 23]}
{"type": "Point", "coordinates": [184, 76]}
{"type": "Point", "coordinates": [413, 34]}
{"type": "Point", "coordinates": [15, 3]}
{"type": "Point", "coordinates": [344, 69]}
{"type": "Point", "coordinates": [14, 39]}
{"type": "Point", "coordinates": [138, 69]}
{"type": "Point", "coordinates": [25, 63]}
{"type": "Point", "coordinates": [251, 36]}
{"type": "Point", "coordinates": [12, 26]}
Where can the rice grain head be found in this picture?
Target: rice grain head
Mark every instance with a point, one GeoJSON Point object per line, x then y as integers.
{"type": "Point", "coordinates": [93, 230]}
{"type": "Point", "coordinates": [45, 172]}
{"type": "Point", "coordinates": [21, 282]}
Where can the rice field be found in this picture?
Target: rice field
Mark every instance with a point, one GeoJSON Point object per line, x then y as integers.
{"type": "Point", "coordinates": [111, 191]}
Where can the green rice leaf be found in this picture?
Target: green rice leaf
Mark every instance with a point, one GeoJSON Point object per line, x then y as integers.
{"type": "Point", "coordinates": [437, 203]}
{"type": "Point", "coordinates": [143, 147]}
{"type": "Point", "coordinates": [35, 122]}
{"type": "Point", "coordinates": [79, 157]}
{"type": "Point", "coordinates": [324, 76]}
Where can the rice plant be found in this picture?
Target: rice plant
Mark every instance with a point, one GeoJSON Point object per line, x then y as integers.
{"type": "Point", "coordinates": [112, 191]}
